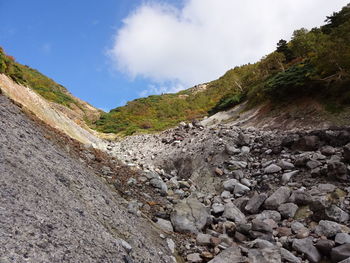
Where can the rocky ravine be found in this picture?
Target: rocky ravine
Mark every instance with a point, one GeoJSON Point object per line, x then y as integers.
{"type": "Point", "coordinates": [193, 193]}
{"type": "Point", "coordinates": [248, 195]}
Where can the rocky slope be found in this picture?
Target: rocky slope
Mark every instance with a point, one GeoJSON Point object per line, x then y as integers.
{"type": "Point", "coordinates": [54, 205]}
{"type": "Point", "coordinates": [69, 121]}
{"type": "Point", "coordinates": [248, 195]}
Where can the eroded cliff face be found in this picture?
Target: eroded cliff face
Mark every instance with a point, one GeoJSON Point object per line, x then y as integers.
{"type": "Point", "coordinates": [54, 207]}
{"type": "Point", "coordinates": [69, 121]}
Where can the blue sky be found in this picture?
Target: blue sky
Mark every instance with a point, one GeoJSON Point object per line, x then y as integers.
{"type": "Point", "coordinates": [164, 45]}
{"type": "Point", "coordinates": [67, 40]}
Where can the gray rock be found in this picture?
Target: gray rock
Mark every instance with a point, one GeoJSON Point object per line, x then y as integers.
{"type": "Point", "coordinates": [229, 255]}
{"type": "Point", "coordinates": [165, 225]}
{"type": "Point", "coordinates": [288, 256]}
{"type": "Point", "coordinates": [340, 253]}
{"type": "Point", "coordinates": [334, 213]}
{"type": "Point", "coordinates": [231, 150]}
{"type": "Point", "coordinates": [272, 168]}
{"type": "Point", "coordinates": [300, 230]}
{"type": "Point", "coordinates": [246, 182]}
{"type": "Point", "coordinates": [327, 150]}
{"type": "Point", "coordinates": [237, 165]}
{"type": "Point", "coordinates": [342, 238]}
{"type": "Point", "coordinates": [226, 194]}
{"type": "Point", "coordinates": [288, 210]}
{"type": "Point", "coordinates": [189, 216]}
{"type": "Point", "coordinates": [312, 164]}
{"type": "Point", "coordinates": [306, 247]}
{"type": "Point", "coordinates": [261, 243]}
{"type": "Point", "coordinates": [325, 246]}
{"type": "Point", "coordinates": [240, 189]}
{"type": "Point", "coordinates": [238, 174]}
{"type": "Point", "coordinates": [230, 184]}
{"type": "Point", "coordinates": [243, 139]}
{"type": "Point", "coordinates": [255, 203]}
{"type": "Point", "coordinates": [269, 214]}
{"type": "Point", "coordinates": [133, 208]}
{"type": "Point", "coordinates": [326, 188]}
{"type": "Point", "coordinates": [233, 213]}
{"type": "Point", "coordinates": [308, 143]}
{"type": "Point", "coordinates": [280, 196]}
{"type": "Point", "coordinates": [296, 226]}
{"type": "Point", "coordinates": [266, 255]}
{"type": "Point", "coordinates": [159, 184]}
{"type": "Point", "coordinates": [287, 176]}
{"type": "Point", "coordinates": [300, 197]}
{"type": "Point", "coordinates": [171, 245]}
{"type": "Point", "coordinates": [125, 245]}
{"type": "Point", "coordinates": [286, 165]}
{"type": "Point", "coordinates": [337, 169]}
{"type": "Point", "coordinates": [327, 228]}
{"type": "Point", "coordinates": [194, 258]}
{"type": "Point", "coordinates": [173, 183]}
{"type": "Point", "coordinates": [217, 208]}
{"type": "Point", "coordinates": [203, 239]}
{"type": "Point", "coordinates": [245, 150]}
{"type": "Point", "coordinates": [345, 260]}
{"type": "Point", "coordinates": [261, 226]}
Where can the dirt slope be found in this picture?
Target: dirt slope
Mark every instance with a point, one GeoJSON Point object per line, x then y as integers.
{"type": "Point", "coordinates": [55, 209]}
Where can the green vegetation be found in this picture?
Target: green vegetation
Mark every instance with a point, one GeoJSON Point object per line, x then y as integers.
{"type": "Point", "coordinates": [314, 63]}
{"type": "Point", "coordinates": [27, 76]}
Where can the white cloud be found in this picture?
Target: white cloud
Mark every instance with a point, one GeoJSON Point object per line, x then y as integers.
{"type": "Point", "coordinates": [205, 38]}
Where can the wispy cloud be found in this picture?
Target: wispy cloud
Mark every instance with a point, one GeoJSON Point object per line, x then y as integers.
{"type": "Point", "coordinates": [204, 38]}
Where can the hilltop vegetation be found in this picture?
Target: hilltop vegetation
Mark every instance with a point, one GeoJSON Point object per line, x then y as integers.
{"type": "Point", "coordinates": [32, 78]}
{"type": "Point", "coordinates": [314, 63]}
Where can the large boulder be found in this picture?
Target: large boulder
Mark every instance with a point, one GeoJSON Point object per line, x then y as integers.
{"type": "Point", "coordinates": [288, 210]}
{"type": "Point", "coordinates": [307, 143]}
{"type": "Point", "coordinates": [265, 255]}
{"type": "Point", "coordinates": [340, 253]}
{"type": "Point", "coordinates": [328, 228]}
{"type": "Point", "coordinates": [189, 216]}
{"type": "Point", "coordinates": [255, 203]}
{"type": "Point", "coordinates": [334, 213]}
{"type": "Point", "coordinates": [306, 247]}
{"type": "Point", "coordinates": [288, 256]}
{"type": "Point", "coordinates": [233, 213]}
{"type": "Point", "coordinates": [272, 168]}
{"type": "Point", "coordinates": [279, 197]}
{"type": "Point", "coordinates": [232, 254]}
{"type": "Point", "coordinates": [337, 169]}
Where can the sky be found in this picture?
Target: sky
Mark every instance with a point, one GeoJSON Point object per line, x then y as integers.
{"type": "Point", "coordinates": [109, 52]}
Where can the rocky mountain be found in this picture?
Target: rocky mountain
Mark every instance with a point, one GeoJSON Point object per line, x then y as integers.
{"type": "Point", "coordinates": [262, 183]}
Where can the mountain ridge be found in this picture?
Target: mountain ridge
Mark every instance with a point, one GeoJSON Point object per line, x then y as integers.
{"type": "Point", "coordinates": [313, 64]}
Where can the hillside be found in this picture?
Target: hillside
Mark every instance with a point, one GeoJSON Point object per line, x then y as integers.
{"type": "Point", "coordinates": [54, 205]}
{"type": "Point", "coordinates": [47, 88]}
{"type": "Point", "coordinates": [314, 64]}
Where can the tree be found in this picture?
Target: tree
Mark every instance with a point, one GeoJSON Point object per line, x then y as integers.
{"type": "Point", "coordinates": [282, 47]}
{"type": "Point", "coordinates": [336, 19]}
{"type": "Point", "coordinates": [304, 42]}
